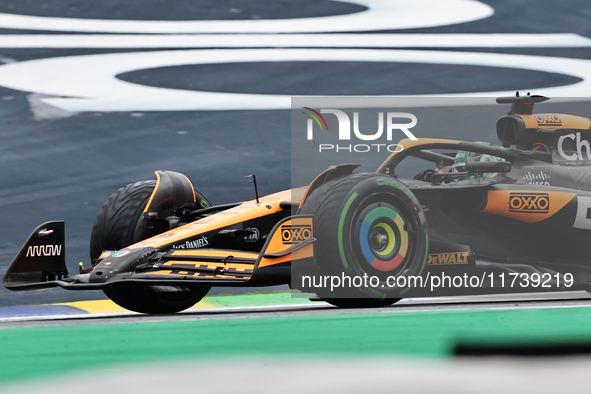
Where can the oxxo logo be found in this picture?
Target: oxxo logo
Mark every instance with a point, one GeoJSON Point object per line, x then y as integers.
{"type": "Point", "coordinates": [581, 145]}
{"type": "Point", "coordinates": [344, 133]}
{"type": "Point", "coordinates": [529, 202]}
{"type": "Point", "coordinates": [548, 120]}
{"type": "Point", "coordinates": [293, 234]}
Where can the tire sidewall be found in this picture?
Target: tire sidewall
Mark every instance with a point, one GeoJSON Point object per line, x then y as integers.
{"type": "Point", "coordinates": [117, 223]}
{"type": "Point", "coordinates": [115, 227]}
{"type": "Point", "coordinates": [342, 245]}
{"type": "Point", "coordinates": [143, 299]}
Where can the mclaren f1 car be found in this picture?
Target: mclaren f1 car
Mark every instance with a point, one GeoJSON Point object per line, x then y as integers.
{"type": "Point", "coordinates": [159, 246]}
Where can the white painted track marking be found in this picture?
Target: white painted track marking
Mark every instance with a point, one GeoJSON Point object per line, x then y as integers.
{"type": "Point", "coordinates": [558, 40]}
{"type": "Point", "coordinates": [380, 15]}
{"type": "Point", "coordinates": [91, 79]}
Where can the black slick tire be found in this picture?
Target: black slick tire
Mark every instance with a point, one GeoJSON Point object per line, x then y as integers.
{"type": "Point", "coordinates": [115, 228]}
{"type": "Point", "coordinates": [367, 225]}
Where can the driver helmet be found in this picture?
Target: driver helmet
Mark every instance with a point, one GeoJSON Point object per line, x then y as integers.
{"type": "Point", "coordinates": [463, 157]}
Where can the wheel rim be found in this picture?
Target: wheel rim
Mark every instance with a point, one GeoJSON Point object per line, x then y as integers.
{"type": "Point", "coordinates": [382, 237]}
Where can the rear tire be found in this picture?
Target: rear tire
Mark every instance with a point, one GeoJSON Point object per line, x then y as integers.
{"type": "Point", "coordinates": [367, 225]}
{"type": "Point", "coordinates": [115, 228]}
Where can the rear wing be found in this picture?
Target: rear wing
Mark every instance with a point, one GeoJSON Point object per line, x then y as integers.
{"type": "Point", "coordinates": [42, 259]}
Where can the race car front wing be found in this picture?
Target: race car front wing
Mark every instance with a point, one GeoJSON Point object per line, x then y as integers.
{"type": "Point", "coordinates": [41, 263]}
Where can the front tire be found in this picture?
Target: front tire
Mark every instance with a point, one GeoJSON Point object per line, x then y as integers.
{"type": "Point", "coordinates": [115, 228]}
{"type": "Point", "coordinates": [156, 299]}
{"type": "Point", "coordinates": [115, 224]}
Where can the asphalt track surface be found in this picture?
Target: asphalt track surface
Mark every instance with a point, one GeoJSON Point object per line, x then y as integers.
{"type": "Point", "coordinates": [61, 163]}
{"type": "Point", "coordinates": [295, 310]}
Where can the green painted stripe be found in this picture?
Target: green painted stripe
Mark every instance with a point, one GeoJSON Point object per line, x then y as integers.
{"type": "Point", "coordinates": [42, 351]}
{"type": "Point", "coordinates": [259, 299]}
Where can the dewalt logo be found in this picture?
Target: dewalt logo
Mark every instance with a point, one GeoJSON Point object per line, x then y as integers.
{"type": "Point", "coordinates": [448, 258]}
{"type": "Point", "coordinates": [529, 202]}
{"type": "Point", "coordinates": [293, 234]}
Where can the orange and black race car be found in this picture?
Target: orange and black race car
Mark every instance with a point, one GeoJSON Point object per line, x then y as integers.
{"type": "Point", "coordinates": [496, 211]}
